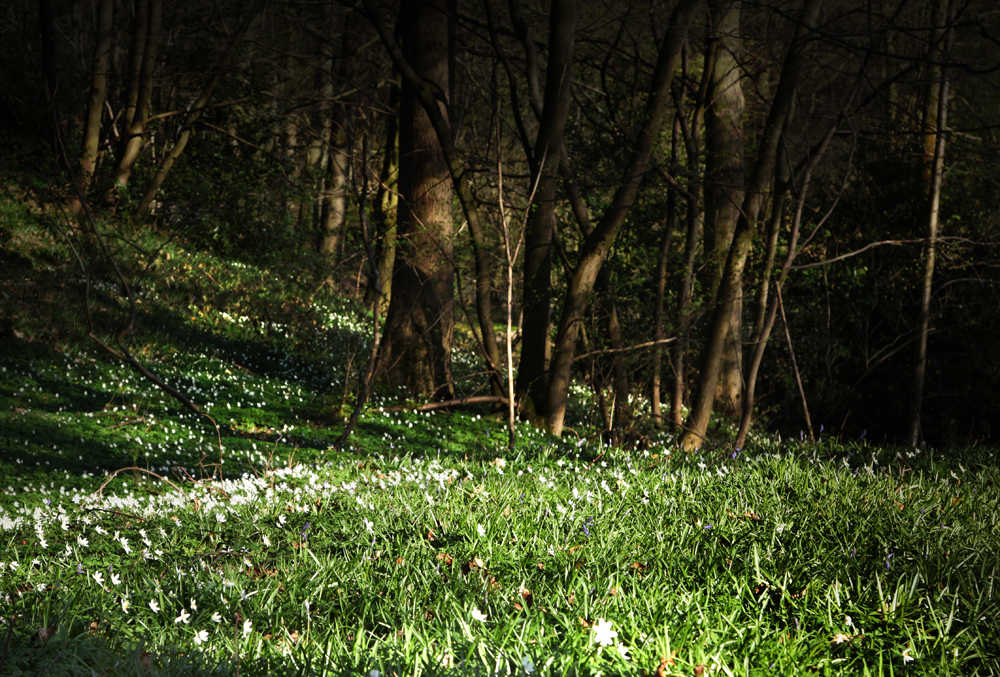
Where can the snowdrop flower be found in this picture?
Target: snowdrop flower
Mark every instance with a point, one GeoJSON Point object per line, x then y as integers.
{"type": "Point", "coordinates": [603, 634]}
{"type": "Point", "coordinates": [201, 636]}
{"type": "Point", "coordinates": [527, 665]}
{"type": "Point", "coordinates": [374, 673]}
{"type": "Point", "coordinates": [82, 541]}
{"type": "Point", "coordinates": [124, 542]}
{"type": "Point", "coordinates": [154, 605]}
{"type": "Point", "coordinates": [622, 650]}
{"type": "Point", "coordinates": [478, 615]}
{"type": "Point", "coordinates": [125, 604]}
{"type": "Point", "coordinates": [216, 618]}
{"type": "Point", "coordinates": [370, 526]}
{"type": "Point", "coordinates": [482, 533]}
{"type": "Point", "coordinates": [194, 604]}
{"type": "Point", "coordinates": [247, 627]}
{"type": "Point", "coordinates": [267, 541]}
{"type": "Point", "coordinates": [183, 618]}
{"type": "Point", "coordinates": [99, 577]}
{"type": "Point", "coordinates": [115, 579]}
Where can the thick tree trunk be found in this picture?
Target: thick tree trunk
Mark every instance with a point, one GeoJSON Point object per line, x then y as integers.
{"type": "Point", "coordinates": [87, 163]}
{"type": "Point", "coordinates": [724, 178]}
{"type": "Point", "coordinates": [537, 281]}
{"type": "Point", "coordinates": [596, 246]}
{"type": "Point", "coordinates": [418, 332]}
{"type": "Point", "coordinates": [730, 286]}
{"type": "Point", "coordinates": [428, 95]}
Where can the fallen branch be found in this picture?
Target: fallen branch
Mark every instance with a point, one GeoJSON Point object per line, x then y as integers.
{"type": "Point", "coordinates": [626, 348]}
{"type": "Point", "coordinates": [100, 489]}
{"type": "Point", "coordinates": [478, 399]}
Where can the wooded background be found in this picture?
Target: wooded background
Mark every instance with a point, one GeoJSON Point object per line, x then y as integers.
{"type": "Point", "coordinates": [780, 213]}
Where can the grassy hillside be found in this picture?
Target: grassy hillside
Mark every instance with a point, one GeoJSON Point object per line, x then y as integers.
{"type": "Point", "coordinates": [137, 537]}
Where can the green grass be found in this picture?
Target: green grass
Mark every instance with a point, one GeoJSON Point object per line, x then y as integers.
{"type": "Point", "coordinates": [249, 546]}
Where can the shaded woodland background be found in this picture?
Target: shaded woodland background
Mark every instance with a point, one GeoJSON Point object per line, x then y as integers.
{"type": "Point", "coordinates": [782, 214]}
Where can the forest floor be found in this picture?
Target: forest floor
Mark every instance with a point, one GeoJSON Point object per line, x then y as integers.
{"type": "Point", "coordinates": [140, 538]}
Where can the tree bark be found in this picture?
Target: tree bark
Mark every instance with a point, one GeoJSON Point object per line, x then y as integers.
{"type": "Point", "coordinates": [691, 135]}
{"type": "Point", "coordinates": [333, 203]}
{"type": "Point", "coordinates": [935, 126]}
{"type": "Point", "coordinates": [145, 44]}
{"type": "Point", "coordinates": [537, 274]}
{"type": "Point", "coordinates": [428, 97]}
{"type": "Point", "coordinates": [142, 209]}
{"type": "Point", "coordinates": [418, 331]}
{"type": "Point", "coordinates": [724, 178]}
{"type": "Point", "coordinates": [596, 246]}
{"type": "Point", "coordinates": [50, 80]}
{"type": "Point", "coordinates": [387, 205]}
{"type": "Point", "coordinates": [661, 286]}
{"type": "Point", "coordinates": [87, 163]}
{"type": "Point", "coordinates": [730, 285]}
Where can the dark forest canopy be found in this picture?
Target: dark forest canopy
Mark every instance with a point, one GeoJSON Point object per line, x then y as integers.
{"type": "Point", "coordinates": [781, 213]}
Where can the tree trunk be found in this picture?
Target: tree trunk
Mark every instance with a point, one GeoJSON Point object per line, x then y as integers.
{"type": "Point", "coordinates": [661, 286]}
{"type": "Point", "coordinates": [428, 96]}
{"type": "Point", "coordinates": [142, 209]}
{"type": "Point", "coordinates": [935, 124]}
{"type": "Point", "coordinates": [387, 205]}
{"type": "Point", "coordinates": [145, 44]}
{"type": "Point", "coordinates": [692, 140]}
{"type": "Point", "coordinates": [87, 164]}
{"type": "Point", "coordinates": [418, 332]}
{"type": "Point", "coordinates": [730, 285]}
{"type": "Point", "coordinates": [537, 277]}
{"type": "Point", "coordinates": [47, 26]}
{"type": "Point", "coordinates": [596, 246]}
{"type": "Point", "coordinates": [724, 178]}
{"type": "Point", "coordinates": [333, 210]}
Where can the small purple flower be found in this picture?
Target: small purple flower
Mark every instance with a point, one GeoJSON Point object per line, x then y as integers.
{"type": "Point", "coordinates": [79, 567]}
{"type": "Point", "coordinates": [585, 524]}
{"type": "Point", "coordinates": [863, 434]}
{"type": "Point", "coordinates": [305, 529]}
{"type": "Point", "coordinates": [821, 427]}
{"type": "Point", "coordinates": [707, 526]}
{"type": "Point", "coordinates": [522, 497]}
{"type": "Point", "coordinates": [887, 561]}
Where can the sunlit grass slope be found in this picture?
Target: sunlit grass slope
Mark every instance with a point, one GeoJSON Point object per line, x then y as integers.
{"type": "Point", "coordinates": [241, 542]}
